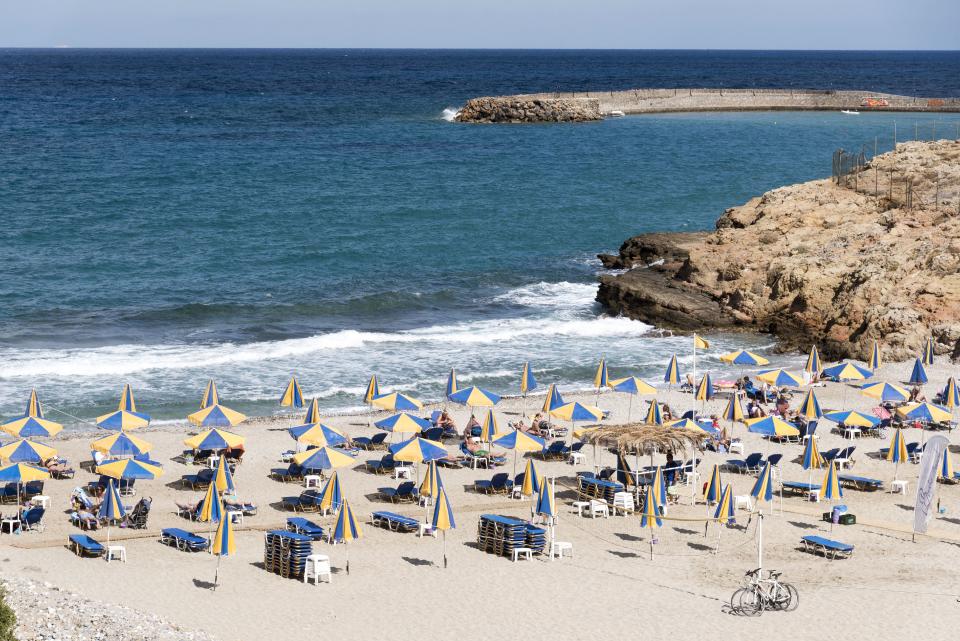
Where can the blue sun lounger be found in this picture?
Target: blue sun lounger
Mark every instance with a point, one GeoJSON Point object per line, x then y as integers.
{"type": "Point", "coordinates": [406, 492]}
{"type": "Point", "coordinates": [746, 466]}
{"type": "Point", "coordinates": [798, 487]}
{"type": "Point", "coordinates": [395, 522]}
{"type": "Point", "coordinates": [827, 547]}
{"type": "Point", "coordinates": [83, 545]}
{"type": "Point", "coordinates": [302, 526]}
{"type": "Point", "coordinates": [183, 540]}
{"type": "Point", "coordinates": [860, 482]}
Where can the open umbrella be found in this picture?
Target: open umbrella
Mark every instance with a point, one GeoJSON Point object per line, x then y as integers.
{"type": "Point", "coordinates": [121, 444]}
{"type": "Point", "coordinates": [771, 426]}
{"type": "Point", "coordinates": [346, 529]}
{"type": "Point", "coordinates": [897, 451]}
{"type": "Point", "coordinates": [21, 473]}
{"type": "Point", "coordinates": [418, 450]}
{"type": "Point", "coordinates": [292, 395]}
{"type": "Point", "coordinates": [527, 383]}
{"type": "Point", "coordinates": [397, 402]}
{"type": "Point", "coordinates": [875, 360]}
{"type": "Point", "coordinates": [885, 392]}
{"type": "Point", "coordinates": [519, 442]}
{"type": "Point", "coordinates": [129, 469]}
{"type": "Point", "coordinates": [780, 378]}
{"type": "Point", "coordinates": [928, 352]}
{"type": "Point", "coordinates": [743, 357]}
{"type": "Point", "coordinates": [214, 440]}
{"type": "Point", "coordinates": [575, 411]}
{"type": "Point", "coordinates": [331, 496]}
{"type": "Point", "coordinates": [847, 372]}
{"type": "Point", "coordinates": [532, 480]}
{"type": "Point", "coordinates": [923, 412]}
{"type": "Point", "coordinates": [323, 458]}
{"type": "Point", "coordinates": [810, 407]}
{"type": "Point", "coordinates": [403, 423]}
{"type": "Point", "coordinates": [212, 413]}
{"type": "Point", "coordinates": [553, 399]}
{"type": "Point", "coordinates": [26, 451]}
{"type": "Point", "coordinates": [223, 545]}
{"type": "Point", "coordinates": [813, 365]}
{"type": "Point", "coordinates": [317, 434]}
{"type": "Point", "coordinates": [672, 375]}
{"type": "Point", "coordinates": [853, 418]}
{"type": "Point", "coordinates": [31, 427]}
{"type": "Point", "coordinates": [443, 519]}
{"type": "Point", "coordinates": [633, 386]}
{"type": "Point", "coordinates": [919, 375]}
{"type": "Point", "coordinates": [474, 396]}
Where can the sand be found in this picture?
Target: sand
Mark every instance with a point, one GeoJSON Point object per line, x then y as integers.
{"type": "Point", "coordinates": [611, 585]}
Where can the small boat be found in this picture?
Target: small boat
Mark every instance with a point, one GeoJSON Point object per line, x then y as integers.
{"type": "Point", "coordinates": [850, 112]}
{"type": "Point", "coordinates": [616, 113]}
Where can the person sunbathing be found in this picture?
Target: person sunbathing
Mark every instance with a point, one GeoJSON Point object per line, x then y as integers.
{"type": "Point", "coordinates": [916, 395]}
{"type": "Point", "coordinates": [445, 421]}
{"type": "Point", "coordinates": [472, 424]}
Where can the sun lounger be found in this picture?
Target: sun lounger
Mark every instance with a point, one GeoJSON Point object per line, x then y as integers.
{"type": "Point", "coordinates": [188, 510]}
{"type": "Point", "coordinates": [395, 522]}
{"type": "Point", "coordinates": [199, 481]}
{"type": "Point", "coordinates": [450, 462]}
{"type": "Point", "coordinates": [183, 540]}
{"type": "Point", "coordinates": [302, 526]}
{"type": "Point", "coordinates": [245, 507]}
{"type": "Point", "coordinates": [32, 519]}
{"type": "Point", "coordinates": [800, 488]}
{"type": "Point", "coordinates": [290, 474]}
{"type": "Point", "coordinates": [83, 545]}
{"type": "Point", "coordinates": [860, 482]}
{"type": "Point", "coordinates": [406, 492]}
{"type": "Point", "coordinates": [499, 484]}
{"type": "Point", "coordinates": [749, 465]}
{"type": "Point", "coordinates": [384, 466]}
{"type": "Point", "coordinates": [84, 520]}
{"type": "Point", "coordinates": [375, 442]}
{"type": "Point", "coordinates": [308, 501]}
{"type": "Point", "coordinates": [827, 547]}
{"type": "Point", "coordinates": [556, 450]}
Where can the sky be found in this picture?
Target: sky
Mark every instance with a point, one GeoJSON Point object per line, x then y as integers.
{"type": "Point", "coordinates": [547, 24]}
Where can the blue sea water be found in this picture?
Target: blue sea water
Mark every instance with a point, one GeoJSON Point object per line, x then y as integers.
{"type": "Point", "coordinates": [174, 215]}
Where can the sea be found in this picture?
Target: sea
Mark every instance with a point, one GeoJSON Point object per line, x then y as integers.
{"type": "Point", "coordinates": [168, 217]}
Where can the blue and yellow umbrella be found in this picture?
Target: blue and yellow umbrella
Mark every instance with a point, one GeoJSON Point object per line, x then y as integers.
{"type": "Point", "coordinates": [520, 441]}
{"type": "Point", "coordinates": [650, 517]}
{"type": "Point", "coordinates": [919, 375]}
{"type": "Point", "coordinates": [210, 395]}
{"type": "Point", "coordinates": [659, 486]}
{"type": "Point", "coordinates": [403, 423]}
{"type": "Point", "coordinates": [397, 402]}
{"type": "Point", "coordinates": [346, 528]}
{"type": "Point", "coordinates": [443, 519]}
{"type": "Point", "coordinates": [711, 493]}
{"type": "Point", "coordinates": [317, 434]}
{"type": "Point", "coordinates": [223, 545]}
{"type": "Point", "coordinates": [211, 508]}
{"type": "Point", "coordinates": [323, 458]}
{"type": "Point", "coordinates": [812, 459]}
{"type": "Point", "coordinates": [771, 426]}
{"type": "Point", "coordinates": [215, 440]}
{"type": "Point", "coordinates": [946, 466]}
{"type": "Point", "coordinates": [928, 352]}
{"type": "Point", "coordinates": [810, 407]}
{"type": "Point", "coordinates": [553, 399]}
{"type": "Point", "coordinates": [22, 473]}
{"type": "Point", "coordinates": [951, 393]}
{"type": "Point", "coordinates": [292, 395]}
{"type": "Point", "coordinates": [780, 378]}
{"type": "Point", "coordinates": [704, 391]}
{"type": "Point", "coordinates": [852, 418]}
{"type": "Point", "coordinates": [212, 414]}
{"type": "Point", "coordinates": [418, 450]}
{"type": "Point", "coordinates": [743, 357]}
{"type": "Point", "coordinates": [473, 396]}
{"type": "Point", "coordinates": [34, 408]}
{"type": "Point", "coordinates": [32, 427]}
{"type": "Point", "coordinates": [129, 469]}
{"type": "Point", "coordinates": [575, 411]}
{"type": "Point", "coordinates": [672, 375]}
{"type": "Point", "coordinates": [451, 387]}
{"type": "Point", "coordinates": [532, 480]}
{"type": "Point", "coordinates": [432, 483]}
{"type": "Point", "coordinates": [885, 392]}
{"type": "Point", "coordinates": [847, 372]}
{"type": "Point", "coordinates": [875, 360]}
{"type": "Point", "coordinates": [725, 513]}
{"type": "Point", "coordinates": [331, 496]}
{"type": "Point", "coordinates": [654, 415]}
{"type": "Point", "coordinates": [925, 413]}
{"type": "Point", "coordinates": [121, 444]}
{"type": "Point", "coordinates": [372, 391]}
{"type": "Point", "coordinates": [490, 427]}
{"type": "Point", "coordinates": [704, 427]}
{"type": "Point", "coordinates": [633, 386]}
{"type": "Point", "coordinates": [813, 365]}
{"type": "Point", "coordinates": [831, 490]}
{"type": "Point", "coordinates": [527, 382]}
{"type": "Point", "coordinates": [734, 410]}
{"type": "Point", "coordinates": [545, 502]}
{"type": "Point", "coordinates": [312, 417]}
{"type": "Point", "coordinates": [111, 507]}
{"type": "Point", "coordinates": [26, 451]}
{"type": "Point", "coordinates": [763, 487]}
{"type": "Point", "coordinates": [602, 376]}
{"type": "Point", "coordinates": [898, 447]}
{"type": "Point", "coordinates": [223, 477]}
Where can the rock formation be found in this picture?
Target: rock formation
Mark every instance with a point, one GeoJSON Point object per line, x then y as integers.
{"type": "Point", "coordinates": [834, 264]}
{"type": "Point", "coordinates": [518, 109]}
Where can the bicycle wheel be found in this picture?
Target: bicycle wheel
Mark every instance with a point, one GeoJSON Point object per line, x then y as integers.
{"type": "Point", "coordinates": [751, 604]}
{"type": "Point", "coordinates": [794, 601]}
{"type": "Point", "coordinates": [779, 596]}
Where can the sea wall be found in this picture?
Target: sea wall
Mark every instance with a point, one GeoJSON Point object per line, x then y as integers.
{"type": "Point", "coordinates": [591, 105]}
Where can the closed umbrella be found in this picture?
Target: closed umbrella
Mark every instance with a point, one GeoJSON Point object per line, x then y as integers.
{"type": "Point", "coordinates": [763, 487]}
{"type": "Point", "coordinates": [111, 507]}
{"type": "Point", "coordinates": [527, 383]}
{"type": "Point", "coordinates": [928, 352]}
{"type": "Point", "coordinates": [810, 407]}
{"type": "Point", "coordinates": [489, 428]}
{"type": "Point", "coordinates": [875, 360]}
{"type": "Point", "coordinates": [601, 378]}
{"type": "Point", "coordinates": [672, 375]}
{"type": "Point", "coordinates": [553, 399]}
{"type": "Point", "coordinates": [654, 415]}
{"type": "Point", "coordinates": [919, 375]}
{"type": "Point", "coordinates": [451, 387]}
{"type": "Point", "coordinates": [223, 545]}
{"type": "Point", "coordinates": [211, 507]}
{"type": "Point", "coordinates": [346, 528]}
{"type": "Point", "coordinates": [813, 365]}
{"type": "Point", "coordinates": [946, 467]}
{"type": "Point", "coordinates": [372, 391]}
{"type": "Point", "coordinates": [443, 519]}
{"type": "Point", "coordinates": [223, 477]}
{"type": "Point", "coordinates": [711, 493]}
{"type": "Point", "coordinates": [532, 480]}
{"type": "Point", "coordinates": [312, 416]}
{"type": "Point", "coordinates": [650, 516]}
{"type": "Point", "coordinates": [331, 496]}
{"type": "Point", "coordinates": [812, 459]}
{"type": "Point", "coordinates": [831, 490]}
{"type": "Point", "coordinates": [292, 394]}
{"type": "Point", "coordinates": [897, 451]}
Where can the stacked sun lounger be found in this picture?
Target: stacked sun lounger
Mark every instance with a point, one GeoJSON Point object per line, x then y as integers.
{"type": "Point", "coordinates": [503, 534]}
{"type": "Point", "coordinates": [285, 553]}
{"type": "Point", "coordinates": [536, 539]}
{"type": "Point", "coordinates": [599, 489]}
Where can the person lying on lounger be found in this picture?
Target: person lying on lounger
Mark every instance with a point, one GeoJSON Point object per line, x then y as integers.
{"type": "Point", "coordinates": [445, 421]}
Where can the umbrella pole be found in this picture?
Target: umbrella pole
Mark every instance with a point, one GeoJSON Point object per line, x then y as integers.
{"type": "Point", "coordinates": [629, 408]}
{"type": "Point", "coordinates": [444, 549]}
{"type": "Point", "coordinates": [216, 575]}
{"type": "Point", "coordinates": [347, 553]}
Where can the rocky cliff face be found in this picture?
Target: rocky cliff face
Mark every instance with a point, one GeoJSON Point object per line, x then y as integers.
{"type": "Point", "coordinates": [816, 262]}
{"type": "Point", "coordinates": [517, 109]}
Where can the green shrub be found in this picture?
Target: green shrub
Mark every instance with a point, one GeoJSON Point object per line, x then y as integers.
{"type": "Point", "coordinates": [8, 619]}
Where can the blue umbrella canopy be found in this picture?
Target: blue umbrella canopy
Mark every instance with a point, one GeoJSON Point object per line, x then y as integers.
{"type": "Point", "coordinates": [111, 508]}
{"type": "Point", "coordinates": [919, 375]}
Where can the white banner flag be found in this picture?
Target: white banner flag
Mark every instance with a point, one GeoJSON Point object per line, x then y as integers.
{"type": "Point", "coordinates": [927, 483]}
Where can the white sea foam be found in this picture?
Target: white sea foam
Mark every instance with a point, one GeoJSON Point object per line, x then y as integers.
{"type": "Point", "coordinates": [573, 297]}
{"type": "Point", "coordinates": [449, 114]}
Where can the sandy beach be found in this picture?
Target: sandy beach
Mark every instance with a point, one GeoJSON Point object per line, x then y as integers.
{"type": "Point", "coordinates": [610, 586]}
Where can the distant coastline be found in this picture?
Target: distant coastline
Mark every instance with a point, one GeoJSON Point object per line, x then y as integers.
{"type": "Point", "coordinates": [594, 105]}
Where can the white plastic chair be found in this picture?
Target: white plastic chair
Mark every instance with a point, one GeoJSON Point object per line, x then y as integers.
{"type": "Point", "coordinates": [599, 508]}
{"type": "Point", "coordinates": [623, 503]}
{"type": "Point", "coordinates": [318, 566]}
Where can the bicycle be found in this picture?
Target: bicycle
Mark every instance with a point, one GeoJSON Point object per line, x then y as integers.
{"type": "Point", "coordinates": [758, 594]}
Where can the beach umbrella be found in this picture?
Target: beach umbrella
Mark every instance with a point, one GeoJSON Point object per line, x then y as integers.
{"type": "Point", "coordinates": [771, 426]}
{"type": "Point", "coordinates": [317, 434]}
{"type": "Point", "coordinates": [397, 402]}
{"type": "Point", "coordinates": [532, 480]}
{"type": "Point", "coordinates": [34, 408]}
{"type": "Point", "coordinates": [216, 415]}
{"type": "Point", "coordinates": [923, 412]}
{"type": "Point", "coordinates": [431, 481]}
{"type": "Point", "coordinates": [625, 475]}
{"type": "Point", "coordinates": [602, 377]}
{"type": "Point", "coordinates": [553, 399]}
{"type": "Point", "coordinates": [853, 418]}
{"type": "Point", "coordinates": [211, 507]}
{"type": "Point", "coordinates": [312, 417]}
{"type": "Point", "coordinates": [831, 490]}
{"type": "Point", "coordinates": [26, 451]}
{"type": "Point", "coordinates": [223, 545]}
{"type": "Point", "coordinates": [21, 473]}
{"type": "Point", "coordinates": [346, 528]}
{"type": "Point", "coordinates": [897, 451]}
{"type": "Point", "coordinates": [473, 396]}
{"type": "Point", "coordinates": [443, 519]}
{"type": "Point", "coordinates": [111, 507]}
{"type": "Point", "coordinates": [633, 386]}
{"type": "Point", "coordinates": [215, 440]}
{"type": "Point", "coordinates": [659, 486]}
{"type": "Point", "coordinates": [121, 444]}
{"type": "Point", "coordinates": [31, 427]}
{"type": "Point", "coordinates": [331, 496]}
{"type": "Point", "coordinates": [403, 423]}
{"type": "Point", "coordinates": [875, 360]}
{"type": "Point", "coordinates": [689, 424]}
{"type": "Point", "coordinates": [672, 375]}
{"type": "Point", "coordinates": [122, 420]}
{"type": "Point", "coordinates": [743, 357]}
{"type": "Point", "coordinates": [813, 365]}
{"type": "Point", "coordinates": [210, 395]}
{"type": "Point", "coordinates": [946, 466]}
{"type": "Point", "coordinates": [451, 387]}
{"type": "Point", "coordinates": [417, 450]}
{"type": "Point", "coordinates": [223, 477]}
{"type": "Point", "coordinates": [323, 458]}
{"type": "Point", "coordinates": [711, 493]}
{"type": "Point", "coordinates": [129, 469]}
{"type": "Point", "coordinates": [919, 375]}
{"type": "Point", "coordinates": [885, 392]}
{"type": "Point", "coordinates": [725, 512]}
{"type": "Point", "coordinates": [763, 487]}
{"type": "Point", "coordinates": [292, 395]}
{"type": "Point", "coordinates": [575, 411]}
{"type": "Point", "coordinates": [810, 407]}
{"type": "Point", "coordinates": [546, 505]}
{"type": "Point", "coordinates": [928, 352]}
{"type": "Point", "coordinates": [527, 382]}
{"type": "Point", "coordinates": [650, 517]}
{"type": "Point", "coordinates": [489, 428]}
{"type": "Point", "coordinates": [519, 442]}
{"type": "Point", "coordinates": [812, 459]}
{"type": "Point", "coordinates": [734, 411]}
{"type": "Point", "coordinates": [951, 394]}
{"type": "Point", "coordinates": [372, 391]}
{"type": "Point", "coordinates": [847, 372]}
{"type": "Point", "coordinates": [654, 415]}
{"type": "Point", "coordinates": [780, 378]}
{"type": "Point", "coordinates": [704, 391]}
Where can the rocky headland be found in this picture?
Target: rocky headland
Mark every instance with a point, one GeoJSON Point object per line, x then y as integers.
{"type": "Point", "coordinates": [518, 109]}
{"type": "Point", "coordinates": [874, 257]}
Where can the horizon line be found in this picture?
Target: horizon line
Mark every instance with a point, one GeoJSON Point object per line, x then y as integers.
{"type": "Point", "coordinates": [61, 47]}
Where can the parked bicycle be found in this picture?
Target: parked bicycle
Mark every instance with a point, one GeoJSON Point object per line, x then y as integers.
{"type": "Point", "coordinates": [757, 594]}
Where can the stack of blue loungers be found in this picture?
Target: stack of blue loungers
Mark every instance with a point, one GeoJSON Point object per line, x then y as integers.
{"type": "Point", "coordinates": [285, 553]}
{"type": "Point", "coordinates": [503, 534]}
{"type": "Point", "coordinates": [599, 489]}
